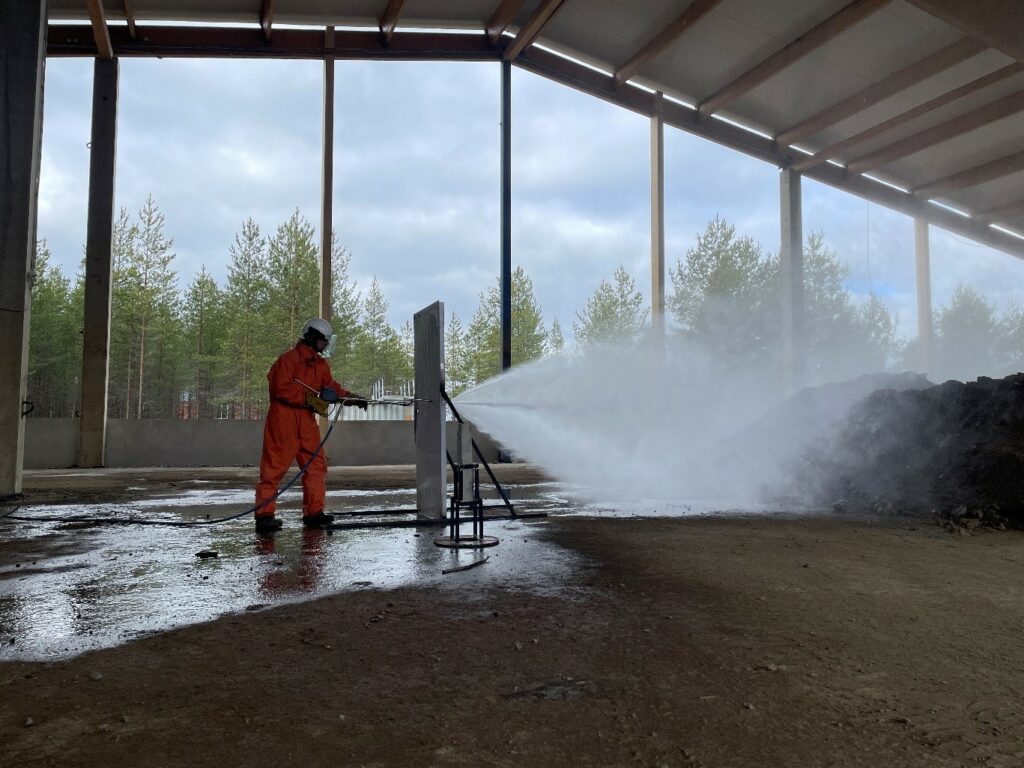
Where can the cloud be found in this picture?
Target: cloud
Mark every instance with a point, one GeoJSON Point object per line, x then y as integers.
{"type": "Point", "coordinates": [417, 181]}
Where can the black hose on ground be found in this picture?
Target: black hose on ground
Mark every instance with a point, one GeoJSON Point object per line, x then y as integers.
{"type": "Point", "coordinates": [175, 523]}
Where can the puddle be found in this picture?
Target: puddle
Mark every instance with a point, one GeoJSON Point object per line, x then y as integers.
{"type": "Point", "coordinates": [69, 588]}
{"type": "Point", "coordinates": [66, 589]}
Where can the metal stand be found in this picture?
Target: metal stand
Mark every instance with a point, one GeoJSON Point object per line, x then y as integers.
{"type": "Point", "coordinates": [459, 501]}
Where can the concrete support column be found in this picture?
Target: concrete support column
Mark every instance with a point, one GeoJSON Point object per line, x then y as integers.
{"type": "Point", "coordinates": [922, 258]}
{"type": "Point", "coordinates": [99, 260]}
{"type": "Point", "coordinates": [506, 215]}
{"type": "Point", "coordinates": [327, 185]}
{"type": "Point", "coordinates": [658, 224]}
{"type": "Point", "coordinates": [23, 43]}
{"type": "Point", "coordinates": [430, 432]}
{"type": "Point", "coordinates": [791, 266]}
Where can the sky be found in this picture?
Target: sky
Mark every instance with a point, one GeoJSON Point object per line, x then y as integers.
{"type": "Point", "coordinates": [416, 187]}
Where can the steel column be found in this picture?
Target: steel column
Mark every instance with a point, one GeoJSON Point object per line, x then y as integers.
{"type": "Point", "coordinates": [923, 274]}
{"type": "Point", "coordinates": [658, 223]}
{"type": "Point", "coordinates": [506, 215]}
{"type": "Point", "coordinates": [791, 267]}
{"type": "Point", "coordinates": [23, 43]}
{"type": "Point", "coordinates": [99, 259]}
{"type": "Point", "coordinates": [327, 184]}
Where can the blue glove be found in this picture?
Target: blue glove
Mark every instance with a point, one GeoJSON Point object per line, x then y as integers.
{"type": "Point", "coordinates": [329, 395]}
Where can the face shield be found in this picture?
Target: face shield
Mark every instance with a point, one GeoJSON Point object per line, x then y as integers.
{"type": "Point", "coordinates": [329, 349]}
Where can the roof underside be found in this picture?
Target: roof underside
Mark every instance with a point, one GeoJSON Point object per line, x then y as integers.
{"type": "Point", "coordinates": [906, 91]}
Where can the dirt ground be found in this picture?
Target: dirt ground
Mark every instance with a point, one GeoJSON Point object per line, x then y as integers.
{"type": "Point", "coordinates": [688, 642]}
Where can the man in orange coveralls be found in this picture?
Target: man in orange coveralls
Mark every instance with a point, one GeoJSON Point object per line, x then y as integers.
{"type": "Point", "coordinates": [291, 433]}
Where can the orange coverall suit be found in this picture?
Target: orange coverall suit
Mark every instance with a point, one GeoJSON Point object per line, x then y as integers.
{"type": "Point", "coordinates": [291, 433]}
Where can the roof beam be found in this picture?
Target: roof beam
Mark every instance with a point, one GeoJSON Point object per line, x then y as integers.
{"type": "Point", "coordinates": [1003, 213]}
{"type": "Point", "coordinates": [389, 20]}
{"type": "Point", "coordinates": [959, 125]}
{"type": "Point", "coordinates": [809, 41]}
{"type": "Point", "coordinates": [224, 42]}
{"type": "Point", "coordinates": [529, 31]}
{"type": "Point", "coordinates": [998, 23]}
{"type": "Point", "coordinates": [694, 12]}
{"type": "Point", "coordinates": [129, 16]}
{"type": "Point", "coordinates": [972, 177]}
{"type": "Point", "coordinates": [266, 18]}
{"type": "Point", "coordinates": [834, 150]}
{"type": "Point", "coordinates": [100, 31]}
{"type": "Point", "coordinates": [895, 82]}
{"type": "Point", "coordinates": [501, 18]}
{"type": "Point", "coordinates": [643, 102]}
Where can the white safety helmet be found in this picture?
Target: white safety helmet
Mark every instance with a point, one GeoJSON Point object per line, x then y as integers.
{"type": "Point", "coordinates": [319, 327]}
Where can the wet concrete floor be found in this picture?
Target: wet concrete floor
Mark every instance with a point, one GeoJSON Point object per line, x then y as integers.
{"type": "Point", "coordinates": [66, 588]}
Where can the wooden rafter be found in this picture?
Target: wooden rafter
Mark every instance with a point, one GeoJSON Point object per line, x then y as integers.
{"type": "Point", "coordinates": [215, 42]}
{"type": "Point", "coordinates": [129, 16]}
{"type": "Point", "coordinates": [1004, 213]}
{"type": "Point", "coordinates": [218, 42]}
{"type": "Point", "coordinates": [501, 18]}
{"type": "Point", "coordinates": [895, 82]}
{"type": "Point", "coordinates": [100, 31]}
{"type": "Point", "coordinates": [959, 125]}
{"type": "Point", "coordinates": [809, 41]}
{"type": "Point", "coordinates": [597, 84]}
{"type": "Point", "coordinates": [998, 23]}
{"type": "Point", "coordinates": [694, 12]}
{"type": "Point", "coordinates": [266, 18]}
{"type": "Point", "coordinates": [529, 31]}
{"type": "Point", "coordinates": [834, 150]}
{"type": "Point", "coordinates": [389, 19]}
{"type": "Point", "coordinates": [972, 177]}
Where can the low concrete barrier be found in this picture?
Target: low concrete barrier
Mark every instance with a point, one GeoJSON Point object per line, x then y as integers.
{"type": "Point", "coordinates": [53, 443]}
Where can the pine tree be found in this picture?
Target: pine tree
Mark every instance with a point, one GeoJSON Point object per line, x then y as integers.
{"type": "Point", "coordinates": [613, 313]}
{"type": "Point", "coordinates": [125, 310]}
{"type": "Point", "coordinates": [294, 264]}
{"type": "Point", "coordinates": [456, 373]}
{"type": "Point", "coordinates": [1010, 346]}
{"type": "Point", "coordinates": [725, 297]}
{"type": "Point", "coordinates": [251, 351]}
{"type": "Point", "coordinates": [203, 319]}
{"type": "Point", "coordinates": [346, 308]}
{"type": "Point", "coordinates": [528, 333]}
{"type": "Point", "coordinates": [379, 354]}
{"type": "Point", "coordinates": [966, 336]}
{"type": "Point", "coordinates": [157, 328]}
{"type": "Point", "coordinates": [556, 342]}
{"type": "Point", "coordinates": [55, 344]}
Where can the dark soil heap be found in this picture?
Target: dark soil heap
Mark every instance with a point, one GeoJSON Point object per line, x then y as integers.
{"type": "Point", "coordinates": [955, 449]}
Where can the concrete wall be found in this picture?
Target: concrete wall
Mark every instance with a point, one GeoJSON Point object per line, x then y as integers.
{"type": "Point", "coordinates": [53, 443]}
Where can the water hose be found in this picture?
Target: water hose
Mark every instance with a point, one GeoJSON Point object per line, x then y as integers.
{"type": "Point", "coordinates": [176, 523]}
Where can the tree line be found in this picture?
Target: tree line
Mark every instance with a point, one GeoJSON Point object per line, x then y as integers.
{"type": "Point", "coordinates": [203, 352]}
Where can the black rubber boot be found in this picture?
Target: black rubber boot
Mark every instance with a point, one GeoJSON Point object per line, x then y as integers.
{"type": "Point", "coordinates": [268, 524]}
{"type": "Point", "coordinates": [318, 521]}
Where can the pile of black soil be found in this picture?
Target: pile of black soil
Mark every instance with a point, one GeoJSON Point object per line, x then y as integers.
{"type": "Point", "coordinates": [761, 456]}
{"type": "Point", "coordinates": [954, 449]}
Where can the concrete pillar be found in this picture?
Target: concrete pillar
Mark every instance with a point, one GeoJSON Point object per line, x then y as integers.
{"type": "Point", "coordinates": [922, 258]}
{"type": "Point", "coordinates": [99, 260]}
{"type": "Point", "coordinates": [506, 215]}
{"type": "Point", "coordinates": [430, 433]}
{"type": "Point", "coordinates": [658, 223]}
{"type": "Point", "coordinates": [791, 266]}
{"type": "Point", "coordinates": [23, 46]}
{"type": "Point", "coordinates": [327, 185]}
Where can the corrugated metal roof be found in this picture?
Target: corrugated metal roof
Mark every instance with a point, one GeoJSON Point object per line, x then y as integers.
{"type": "Point", "coordinates": [729, 40]}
